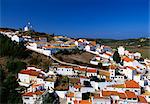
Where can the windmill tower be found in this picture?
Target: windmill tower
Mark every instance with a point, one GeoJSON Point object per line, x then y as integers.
{"type": "Point", "coordinates": [28, 27]}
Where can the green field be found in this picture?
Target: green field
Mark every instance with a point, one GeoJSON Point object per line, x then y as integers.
{"type": "Point", "coordinates": [145, 51]}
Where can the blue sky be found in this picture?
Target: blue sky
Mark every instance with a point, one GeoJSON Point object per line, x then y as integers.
{"type": "Point", "coordinates": [117, 19]}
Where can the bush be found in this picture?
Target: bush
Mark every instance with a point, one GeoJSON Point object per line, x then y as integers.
{"type": "Point", "coordinates": [116, 57]}
{"type": "Point", "coordinates": [15, 66]}
{"type": "Point", "coordinates": [8, 93]}
{"type": "Point", "coordinates": [12, 49]}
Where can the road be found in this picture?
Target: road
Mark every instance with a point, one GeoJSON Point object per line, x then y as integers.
{"type": "Point", "coordinates": [61, 62]}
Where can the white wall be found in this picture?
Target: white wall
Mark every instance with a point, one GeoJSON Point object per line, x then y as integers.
{"type": "Point", "coordinates": [65, 71]}
{"type": "Point", "coordinates": [49, 85]}
{"type": "Point", "coordinates": [24, 78]}
{"type": "Point", "coordinates": [87, 89]}
{"type": "Point", "coordinates": [91, 74]}
{"type": "Point", "coordinates": [94, 62]}
{"type": "Point", "coordinates": [101, 101]}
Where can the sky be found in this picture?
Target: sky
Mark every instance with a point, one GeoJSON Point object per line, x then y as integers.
{"type": "Point", "coordinates": [113, 19]}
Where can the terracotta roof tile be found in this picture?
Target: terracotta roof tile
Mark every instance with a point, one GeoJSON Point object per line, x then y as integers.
{"type": "Point", "coordinates": [108, 54]}
{"type": "Point", "coordinates": [127, 59]}
{"type": "Point", "coordinates": [77, 86]}
{"type": "Point", "coordinates": [141, 99]}
{"type": "Point", "coordinates": [132, 84]}
{"type": "Point", "coordinates": [33, 93]}
{"type": "Point", "coordinates": [122, 95]}
{"type": "Point", "coordinates": [109, 93]}
{"type": "Point", "coordinates": [85, 102]}
{"type": "Point", "coordinates": [30, 72]}
{"type": "Point", "coordinates": [127, 84]}
{"type": "Point", "coordinates": [91, 70]}
{"type": "Point", "coordinates": [130, 94]}
{"type": "Point", "coordinates": [130, 67]}
{"type": "Point", "coordinates": [117, 85]}
{"type": "Point", "coordinates": [112, 67]}
{"type": "Point", "coordinates": [70, 94]}
{"type": "Point", "coordinates": [80, 69]}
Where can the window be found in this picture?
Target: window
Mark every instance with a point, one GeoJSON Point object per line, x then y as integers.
{"type": "Point", "coordinates": [129, 98]}
{"type": "Point", "coordinates": [26, 98]}
{"type": "Point", "coordinates": [112, 77]}
{"type": "Point", "coordinates": [134, 98]}
{"type": "Point", "coordinates": [135, 90]}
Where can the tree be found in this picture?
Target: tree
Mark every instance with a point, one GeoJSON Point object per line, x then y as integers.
{"type": "Point", "coordinates": [8, 93]}
{"type": "Point", "coordinates": [100, 65]}
{"type": "Point", "coordinates": [15, 66]}
{"type": "Point", "coordinates": [86, 96]}
{"type": "Point", "coordinates": [2, 75]}
{"type": "Point", "coordinates": [116, 57]}
{"type": "Point", "coordinates": [12, 49]}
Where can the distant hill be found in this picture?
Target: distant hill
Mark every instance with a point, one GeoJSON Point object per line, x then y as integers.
{"type": "Point", "coordinates": [138, 42]}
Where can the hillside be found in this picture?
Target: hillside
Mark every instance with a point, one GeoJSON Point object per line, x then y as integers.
{"type": "Point", "coordinates": [13, 58]}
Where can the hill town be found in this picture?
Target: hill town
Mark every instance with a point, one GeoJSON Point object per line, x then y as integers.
{"type": "Point", "coordinates": [107, 75]}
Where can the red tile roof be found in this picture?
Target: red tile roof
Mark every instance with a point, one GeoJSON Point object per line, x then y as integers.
{"type": "Point", "coordinates": [70, 94]}
{"type": "Point", "coordinates": [127, 94]}
{"type": "Point", "coordinates": [85, 102]}
{"type": "Point", "coordinates": [142, 99]}
{"type": "Point", "coordinates": [122, 95]}
{"type": "Point", "coordinates": [109, 93]}
{"type": "Point", "coordinates": [33, 93]}
{"type": "Point", "coordinates": [127, 59]}
{"type": "Point", "coordinates": [108, 54]}
{"type": "Point", "coordinates": [84, 77]}
{"type": "Point", "coordinates": [132, 84]}
{"type": "Point", "coordinates": [127, 84]}
{"type": "Point", "coordinates": [30, 72]}
{"type": "Point", "coordinates": [80, 69]}
{"type": "Point", "coordinates": [117, 85]}
{"type": "Point", "coordinates": [112, 67]}
{"type": "Point", "coordinates": [91, 70]}
{"type": "Point", "coordinates": [130, 67]}
{"type": "Point", "coordinates": [130, 94]}
{"type": "Point", "coordinates": [77, 86]}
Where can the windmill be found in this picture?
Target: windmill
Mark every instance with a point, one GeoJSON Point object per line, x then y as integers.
{"type": "Point", "coordinates": [28, 27]}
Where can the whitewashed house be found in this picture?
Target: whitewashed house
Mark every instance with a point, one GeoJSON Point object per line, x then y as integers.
{"type": "Point", "coordinates": [27, 77]}
{"type": "Point", "coordinates": [146, 95]}
{"type": "Point", "coordinates": [101, 100]}
{"type": "Point", "coordinates": [137, 55]}
{"type": "Point", "coordinates": [65, 70]}
{"type": "Point", "coordinates": [121, 50]}
{"type": "Point", "coordinates": [87, 48]}
{"type": "Point", "coordinates": [37, 97]}
{"type": "Point", "coordinates": [129, 85]}
{"type": "Point", "coordinates": [91, 72]}
{"type": "Point", "coordinates": [128, 71]}
{"type": "Point", "coordinates": [17, 38]}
